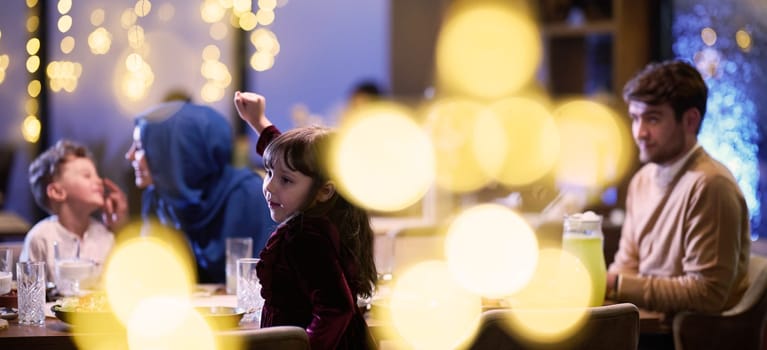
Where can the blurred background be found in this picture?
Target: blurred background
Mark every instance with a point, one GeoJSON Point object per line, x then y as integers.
{"type": "Point", "coordinates": [84, 69]}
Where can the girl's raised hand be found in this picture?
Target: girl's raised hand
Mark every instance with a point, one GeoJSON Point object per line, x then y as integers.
{"type": "Point", "coordinates": [252, 109]}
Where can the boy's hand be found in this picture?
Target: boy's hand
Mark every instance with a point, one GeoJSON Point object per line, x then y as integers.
{"type": "Point", "coordinates": [252, 108]}
{"type": "Point", "coordinates": [115, 213]}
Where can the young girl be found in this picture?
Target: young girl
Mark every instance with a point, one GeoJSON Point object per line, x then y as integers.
{"type": "Point", "coordinates": [320, 258]}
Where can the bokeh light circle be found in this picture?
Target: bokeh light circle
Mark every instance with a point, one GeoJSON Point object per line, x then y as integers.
{"type": "Point", "coordinates": [553, 305]}
{"type": "Point", "coordinates": [487, 50]}
{"type": "Point", "coordinates": [177, 326]}
{"type": "Point", "coordinates": [595, 146]}
{"type": "Point", "coordinates": [488, 241]}
{"type": "Point", "coordinates": [458, 148]}
{"type": "Point", "coordinates": [430, 310]}
{"type": "Point", "coordinates": [382, 159]}
{"type": "Point", "coordinates": [532, 141]}
{"type": "Point", "coordinates": [144, 267]}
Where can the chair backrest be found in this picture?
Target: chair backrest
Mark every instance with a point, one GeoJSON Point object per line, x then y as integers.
{"type": "Point", "coordinates": [755, 296]}
{"type": "Point", "coordinates": [613, 327]}
{"type": "Point", "coordinates": [272, 338]}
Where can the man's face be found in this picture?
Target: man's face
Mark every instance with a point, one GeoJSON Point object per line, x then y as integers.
{"type": "Point", "coordinates": [658, 135]}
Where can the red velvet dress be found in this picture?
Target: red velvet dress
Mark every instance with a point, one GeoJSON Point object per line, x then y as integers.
{"type": "Point", "coordinates": [304, 284]}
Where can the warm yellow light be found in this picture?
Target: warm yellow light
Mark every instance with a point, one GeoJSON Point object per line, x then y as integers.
{"type": "Point", "coordinates": [453, 127]}
{"type": "Point", "coordinates": [64, 6]}
{"type": "Point", "coordinates": [31, 3]}
{"type": "Point", "coordinates": [531, 139]}
{"type": "Point", "coordinates": [743, 38]}
{"type": "Point", "coordinates": [265, 17]}
{"type": "Point", "coordinates": [248, 21]}
{"type": "Point", "coordinates": [376, 170]}
{"type": "Point", "coordinates": [488, 241]}
{"type": "Point", "coordinates": [99, 41]}
{"type": "Point", "coordinates": [134, 62]}
{"type": "Point", "coordinates": [136, 36]}
{"type": "Point", "coordinates": [30, 129]}
{"type": "Point", "coordinates": [487, 50]}
{"type": "Point", "coordinates": [267, 4]}
{"type": "Point", "coordinates": [211, 11]}
{"type": "Point", "coordinates": [265, 40]}
{"type": "Point", "coordinates": [595, 146]}
{"type": "Point", "coordinates": [31, 106]}
{"type": "Point", "coordinates": [33, 46]}
{"type": "Point", "coordinates": [211, 53]}
{"type": "Point", "coordinates": [132, 274]}
{"type": "Point", "coordinates": [67, 44]}
{"type": "Point", "coordinates": [33, 22]}
{"type": "Point", "coordinates": [211, 92]}
{"type": "Point", "coordinates": [227, 4]}
{"type": "Point", "coordinates": [5, 60]}
{"type": "Point", "coordinates": [142, 8]}
{"type": "Point", "coordinates": [179, 327]}
{"type": "Point", "coordinates": [97, 17]}
{"type": "Point", "coordinates": [65, 23]}
{"type": "Point", "coordinates": [128, 18]}
{"type": "Point", "coordinates": [553, 305]}
{"type": "Point", "coordinates": [430, 310]}
{"type": "Point", "coordinates": [218, 31]}
{"type": "Point", "coordinates": [240, 6]}
{"type": "Point", "coordinates": [33, 88]}
{"type": "Point", "coordinates": [261, 61]}
{"type": "Point", "coordinates": [708, 35]}
{"type": "Point", "coordinates": [33, 63]}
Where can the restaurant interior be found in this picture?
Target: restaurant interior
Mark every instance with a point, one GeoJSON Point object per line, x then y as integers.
{"type": "Point", "coordinates": [83, 70]}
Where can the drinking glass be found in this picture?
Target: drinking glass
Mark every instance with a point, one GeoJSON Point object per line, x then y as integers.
{"type": "Point", "coordinates": [71, 273]}
{"type": "Point", "coordinates": [249, 289]}
{"type": "Point", "coordinates": [6, 256]}
{"type": "Point", "coordinates": [30, 276]}
{"type": "Point", "coordinates": [236, 248]}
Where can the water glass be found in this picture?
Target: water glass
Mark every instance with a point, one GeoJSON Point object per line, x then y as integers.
{"type": "Point", "coordinates": [236, 248]}
{"type": "Point", "coordinates": [30, 276]}
{"type": "Point", "coordinates": [6, 256]}
{"type": "Point", "coordinates": [249, 289]}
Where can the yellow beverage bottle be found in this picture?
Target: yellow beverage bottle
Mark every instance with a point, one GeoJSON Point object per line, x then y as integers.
{"type": "Point", "coordinates": [583, 238]}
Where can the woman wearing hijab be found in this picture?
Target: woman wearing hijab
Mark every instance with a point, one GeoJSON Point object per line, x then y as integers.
{"type": "Point", "coordinates": [181, 156]}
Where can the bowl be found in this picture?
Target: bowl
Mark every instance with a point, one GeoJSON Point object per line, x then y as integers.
{"type": "Point", "coordinates": [221, 317]}
{"type": "Point", "coordinates": [100, 321]}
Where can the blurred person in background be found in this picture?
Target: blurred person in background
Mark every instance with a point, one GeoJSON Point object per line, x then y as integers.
{"type": "Point", "coordinates": [685, 242]}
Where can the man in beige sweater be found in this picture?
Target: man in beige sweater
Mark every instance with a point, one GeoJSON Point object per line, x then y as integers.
{"type": "Point", "coordinates": [685, 241]}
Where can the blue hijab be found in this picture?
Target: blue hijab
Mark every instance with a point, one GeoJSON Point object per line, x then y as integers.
{"type": "Point", "coordinates": [195, 189]}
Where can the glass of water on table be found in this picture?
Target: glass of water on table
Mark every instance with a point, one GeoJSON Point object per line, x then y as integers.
{"type": "Point", "coordinates": [249, 290]}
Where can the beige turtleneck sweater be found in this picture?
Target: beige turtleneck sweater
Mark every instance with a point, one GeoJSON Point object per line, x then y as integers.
{"type": "Point", "coordinates": [685, 242]}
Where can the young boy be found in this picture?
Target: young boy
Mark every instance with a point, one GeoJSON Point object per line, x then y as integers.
{"type": "Point", "coordinates": [65, 183]}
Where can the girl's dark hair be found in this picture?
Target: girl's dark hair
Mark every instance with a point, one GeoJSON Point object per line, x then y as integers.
{"type": "Point", "coordinates": [674, 82]}
{"type": "Point", "coordinates": [303, 150]}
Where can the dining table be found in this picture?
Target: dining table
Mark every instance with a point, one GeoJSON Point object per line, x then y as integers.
{"type": "Point", "coordinates": [56, 334]}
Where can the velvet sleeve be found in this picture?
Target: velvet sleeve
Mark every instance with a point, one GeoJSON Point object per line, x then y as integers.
{"type": "Point", "coordinates": [321, 277]}
{"type": "Point", "coordinates": [265, 138]}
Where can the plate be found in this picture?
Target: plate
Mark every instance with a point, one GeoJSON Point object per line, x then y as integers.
{"type": "Point", "coordinates": [89, 320]}
{"type": "Point", "coordinates": [221, 317]}
{"type": "Point", "coordinates": [8, 313]}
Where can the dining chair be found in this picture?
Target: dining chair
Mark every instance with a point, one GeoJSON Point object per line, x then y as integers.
{"type": "Point", "coordinates": [613, 327]}
{"type": "Point", "coordinates": [272, 338]}
{"type": "Point", "coordinates": [740, 327]}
